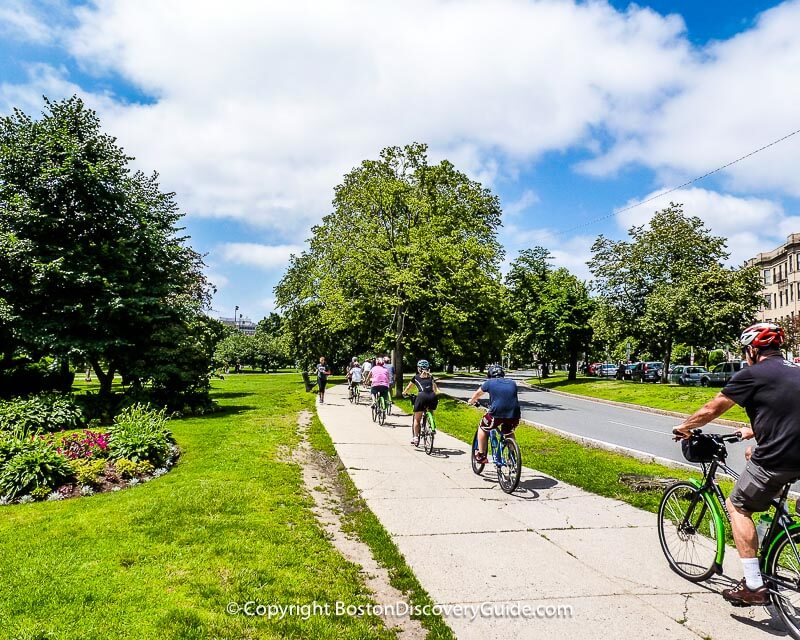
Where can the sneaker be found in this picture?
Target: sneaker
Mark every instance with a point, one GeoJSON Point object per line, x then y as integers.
{"type": "Point", "coordinates": [743, 596]}
{"type": "Point", "coordinates": [415, 442]}
{"type": "Point", "coordinates": [481, 458]}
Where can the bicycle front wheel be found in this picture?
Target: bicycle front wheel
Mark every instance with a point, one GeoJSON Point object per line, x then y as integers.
{"type": "Point", "coordinates": [476, 467]}
{"type": "Point", "coordinates": [427, 433]}
{"type": "Point", "coordinates": [783, 576]}
{"type": "Point", "coordinates": [688, 531]}
{"type": "Point", "coordinates": [511, 465]}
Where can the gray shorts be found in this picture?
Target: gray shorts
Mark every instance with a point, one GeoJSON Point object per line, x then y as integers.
{"type": "Point", "coordinates": [757, 486]}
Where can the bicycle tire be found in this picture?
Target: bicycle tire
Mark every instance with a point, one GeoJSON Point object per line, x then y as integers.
{"type": "Point", "coordinates": [381, 413]}
{"type": "Point", "coordinates": [783, 565]}
{"type": "Point", "coordinates": [690, 550]}
{"type": "Point", "coordinates": [509, 472]}
{"type": "Point", "coordinates": [351, 396]}
{"type": "Point", "coordinates": [477, 468]}
{"type": "Point", "coordinates": [427, 433]}
{"type": "Point", "coordinates": [374, 412]}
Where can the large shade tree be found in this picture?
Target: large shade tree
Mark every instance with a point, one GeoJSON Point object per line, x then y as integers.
{"type": "Point", "coordinates": [669, 283]}
{"type": "Point", "coordinates": [92, 264]}
{"type": "Point", "coordinates": [408, 257]}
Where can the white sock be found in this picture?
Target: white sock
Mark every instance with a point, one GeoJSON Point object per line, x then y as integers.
{"type": "Point", "coordinates": [752, 573]}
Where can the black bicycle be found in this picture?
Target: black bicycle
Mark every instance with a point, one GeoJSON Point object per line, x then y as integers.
{"type": "Point", "coordinates": [691, 529]}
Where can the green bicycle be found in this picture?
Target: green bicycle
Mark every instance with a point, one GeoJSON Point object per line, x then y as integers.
{"type": "Point", "coordinates": [379, 409]}
{"type": "Point", "coordinates": [427, 426]}
{"type": "Point", "coordinates": [354, 394]}
{"type": "Point", "coordinates": [691, 530]}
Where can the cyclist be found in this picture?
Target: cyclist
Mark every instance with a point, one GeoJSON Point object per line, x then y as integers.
{"type": "Point", "coordinates": [426, 396]}
{"type": "Point", "coordinates": [504, 410]}
{"type": "Point", "coordinates": [378, 379]}
{"type": "Point", "coordinates": [769, 390]}
{"type": "Point", "coordinates": [323, 371]}
{"type": "Point", "coordinates": [354, 376]}
{"type": "Point", "coordinates": [353, 363]}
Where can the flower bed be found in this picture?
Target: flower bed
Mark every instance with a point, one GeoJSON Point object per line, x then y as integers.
{"type": "Point", "coordinates": [136, 449]}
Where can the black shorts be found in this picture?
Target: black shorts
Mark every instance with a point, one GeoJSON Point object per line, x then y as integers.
{"type": "Point", "coordinates": [757, 486]}
{"type": "Point", "coordinates": [426, 402]}
{"type": "Point", "coordinates": [506, 425]}
{"type": "Point", "coordinates": [380, 390]}
{"type": "Point", "coordinates": [321, 382]}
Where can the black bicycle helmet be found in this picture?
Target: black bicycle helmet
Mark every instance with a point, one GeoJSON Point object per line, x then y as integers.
{"type": "Point", "coordinates": [495, 371]}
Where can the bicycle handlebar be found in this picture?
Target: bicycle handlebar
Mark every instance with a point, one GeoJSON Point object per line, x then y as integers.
{"type": "Point", "coordinates": [736, 437]}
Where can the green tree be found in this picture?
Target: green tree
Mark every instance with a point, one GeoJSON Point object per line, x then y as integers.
{"type": "Point", "coordinates": [406, 256]}
{"type": "Point", "coordinates": [551, 310]}
{"type": "Point", "coordinates": [96, 265]}
{"type": "Point", "coordinates": [668, 283]}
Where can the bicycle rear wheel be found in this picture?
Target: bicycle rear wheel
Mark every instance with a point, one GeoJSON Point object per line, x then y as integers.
{"type": "Point", "coordinates": [381, 413]}
{"type": "Point", "coordinates": [374, 411]}
{"type": "Point", "coordinates": [427, 433]}
{"type": "Point", "coordinates": [509, 471]}
{"type": "Point", "coordinates": [688, 531]}
{"type": "Point", "coordinates": [476, 467]}
{"type": "Point", "coordinates": [351, 395]}
{"type": "Point", "coordinates": [783, 565]}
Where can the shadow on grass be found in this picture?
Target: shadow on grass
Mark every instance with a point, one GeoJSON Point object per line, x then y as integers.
{"type": "Point", "coordinates": [230, 394]}
{"type": "Point", "coordinates": [228, 410]}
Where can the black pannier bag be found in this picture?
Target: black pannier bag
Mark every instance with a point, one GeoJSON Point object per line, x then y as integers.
{"type": "Point", "coordinates": [700, 447]}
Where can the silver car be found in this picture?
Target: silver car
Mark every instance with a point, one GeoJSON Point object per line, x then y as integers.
{"type": "Point", "coordinates": [686, 374]}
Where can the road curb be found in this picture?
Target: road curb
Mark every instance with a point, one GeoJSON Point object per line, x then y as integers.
{"type": "Point", "coordinates": [663, 412]}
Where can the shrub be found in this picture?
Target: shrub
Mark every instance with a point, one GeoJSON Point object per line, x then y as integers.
{"type": "Point", "coordinates": [125, 468]}
{"type": "Point", "coordinates": [88, 472]}
{"type": "Point", "coordinates": [144, 468]}
{"type": "Point", "coordinates": [89, 444]}
{"type": "Point", "coordinates": [37, 414]}
{"type": "Point", "coordinates": [35, 464]}
{"type": "Point", "coordinates": [140, 433]}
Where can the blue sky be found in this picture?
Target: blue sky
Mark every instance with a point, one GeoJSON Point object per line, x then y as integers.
{"type": "Point", "coordinates": [252, 112]}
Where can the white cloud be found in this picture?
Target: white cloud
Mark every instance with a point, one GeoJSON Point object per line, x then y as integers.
{"type": "Point", "coordinates": [571, 252]}
{"type": "Point", "coordinates": [739, 95]}
{"type": "Point", "coordinates": [520, 205]}
{"type": "Point", "coordinates": [19, 22]}
{"type": "Point", "coordinates": [263, 256]}
{"type": "Point", "coordinates": [260, 108]}
{"type": "Point", "coordinates": [751, 225]}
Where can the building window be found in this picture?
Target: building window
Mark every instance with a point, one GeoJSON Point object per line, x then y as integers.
{"type": "Point", "coordinates": [765, 273]}
{"type": "Point", "coordinates": [774, 301]}
{"type": "Point", "coordinates": [768, 301]}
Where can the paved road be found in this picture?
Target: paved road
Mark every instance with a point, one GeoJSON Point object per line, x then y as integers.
{"type": "Point", "coordinates": [638, 430]}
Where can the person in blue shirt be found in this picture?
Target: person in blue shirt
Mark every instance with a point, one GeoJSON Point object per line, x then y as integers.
{"type": "Point", "coordinates": [504, 410]}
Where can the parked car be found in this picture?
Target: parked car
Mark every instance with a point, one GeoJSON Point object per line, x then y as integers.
{"type": "Point", "coordinates": [720, 374]}
{"type": "Point", "coordinates": [628, 375]}
{"type": "Point", "coordinates": [592, 371]}
{"type": "Point", "coordinates": [647, 371]}
{"type": "Point", "coordinates": [607, 370]}
{"type": "Point", "coordinates": [686, 374]}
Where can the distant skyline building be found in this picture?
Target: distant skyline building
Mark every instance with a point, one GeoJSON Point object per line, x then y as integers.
{"type": "Point", "coordinates": [244, 325]}
{"type": "Point", "coordinates": [780, 277]}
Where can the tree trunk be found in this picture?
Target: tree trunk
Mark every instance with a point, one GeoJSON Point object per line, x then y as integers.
{"type": "Point", "coordinates": [450, 367]}
{"type": "Point", "coordinates": [397, 360]}
{"type": "Point", "coordinates": [105, 378]}
{"type": "Point", "coordinates": [667, 358]}
{"type": "Point", "coordinates": [573, 363]}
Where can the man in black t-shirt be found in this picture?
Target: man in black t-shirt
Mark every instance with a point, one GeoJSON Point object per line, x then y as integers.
{"type": "Point", "coordinates": [769, 390]}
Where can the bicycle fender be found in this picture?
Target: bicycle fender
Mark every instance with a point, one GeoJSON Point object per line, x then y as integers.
{"type": "Point", "coordinates": [793, 528]}
{"type": "Point", "coordinates": [719, 522]}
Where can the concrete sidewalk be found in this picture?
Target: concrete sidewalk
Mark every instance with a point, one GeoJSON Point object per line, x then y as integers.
{"type": "Point", "coordinates": [547, 545]}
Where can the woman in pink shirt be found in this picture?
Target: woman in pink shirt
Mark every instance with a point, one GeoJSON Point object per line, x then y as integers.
{"type": "Point", "coordinates": [378, 378]}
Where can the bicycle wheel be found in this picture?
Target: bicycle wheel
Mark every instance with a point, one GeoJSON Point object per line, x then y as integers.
{"type": "Point", "coordinates": [427, 433]}
{"type": "Point", "coordinates": [476, 467]}
{"type": "Point", "coordinates": [374, 411]}
{"type": "Point", "coordinates": [351, 396]}
{"type": "Point", "coordinates": [509, 471]}
{"type": "Point", "coordinates": [382, 413]}
{"type": "Point", "coordinates": [688, 532]}
{"type": "Point", "coordinates": [783, 565]}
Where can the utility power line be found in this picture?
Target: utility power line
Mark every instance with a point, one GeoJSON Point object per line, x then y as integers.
{"type": "Point", "coordinates": [685, 184]}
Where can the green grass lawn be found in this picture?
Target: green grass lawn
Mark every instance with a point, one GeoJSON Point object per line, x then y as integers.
{"type": "Point", "coordinates": [595, 470]}
{"type": "Point", "coordinates": [658, 396]}
{"type": "Point", "coordinates": [230, 523]}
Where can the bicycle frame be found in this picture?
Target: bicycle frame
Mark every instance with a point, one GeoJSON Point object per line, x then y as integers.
{"type": "Point", "coordinates": [782, 524]}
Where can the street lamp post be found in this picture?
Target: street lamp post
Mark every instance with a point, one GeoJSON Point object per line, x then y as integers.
{"type": "Point", "coordinates": [235, 315]}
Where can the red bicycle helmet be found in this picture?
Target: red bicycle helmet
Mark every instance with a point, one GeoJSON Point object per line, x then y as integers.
{"type": "Point", "coordinates": [762, 334]}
